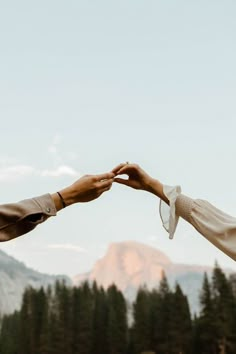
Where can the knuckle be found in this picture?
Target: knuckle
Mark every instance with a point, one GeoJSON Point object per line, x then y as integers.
{"type": "Point", "coordinates": [96, 185]}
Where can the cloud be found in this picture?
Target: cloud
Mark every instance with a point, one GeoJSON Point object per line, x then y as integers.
{"type": "Point", "coordinates": [12, 173]}
{"type": "Point", "coordinates": [67, 247]}
{"type": "Point", "coordinates": [18, 171]}
{"type": "Point", "coordinates": [11, 170]}
{"type": "Point", "coordinates": [60, 171]}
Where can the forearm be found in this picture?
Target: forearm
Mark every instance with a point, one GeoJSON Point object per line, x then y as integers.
{"type": "Point", "coordinates": [19, 218]}
{"type": "Point", "coordinates": [156, 187]}
{"type": "Point", "coordinates": [214, 224]}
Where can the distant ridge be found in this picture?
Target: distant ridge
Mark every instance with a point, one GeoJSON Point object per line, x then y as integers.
{"type": "Point", "coordinates": [130, 265]}
{"type": "Point", "coordinates": [15, 277]}
{"type": "Point", "coordinates": [127, 264]}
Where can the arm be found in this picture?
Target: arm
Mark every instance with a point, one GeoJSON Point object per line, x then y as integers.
{"type": "Point", "coordinates": [19, 218]}
{"type": "Point", "coordinates": [216, 226]}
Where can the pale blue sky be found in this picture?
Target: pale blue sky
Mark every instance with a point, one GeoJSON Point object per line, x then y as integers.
{"type": "Point", "coordinates": [87, 85]}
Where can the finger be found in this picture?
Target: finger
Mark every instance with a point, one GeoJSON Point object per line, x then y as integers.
{"type": "Point", "coordinates": [126, 169]}
{"type": "Point", "coordinates": [105, 176]}
{"type": "Point", "coordinates": [122, 181]}
{"type": "Point", "coordinates": [117, 168]}
{"type": "Point", "coordinates": [106, 183]}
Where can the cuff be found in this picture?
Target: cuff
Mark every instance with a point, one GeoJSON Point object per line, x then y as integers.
{"type": "Point", "coordinates": [168, 213]}
{"type": "Point", "coordinates": [184, 206]}
{"type": "Point", "coordinates": [46, 204]}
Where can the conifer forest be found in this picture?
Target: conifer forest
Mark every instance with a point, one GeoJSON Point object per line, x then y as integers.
{"type": "Point", "coordinates": [90, 320]}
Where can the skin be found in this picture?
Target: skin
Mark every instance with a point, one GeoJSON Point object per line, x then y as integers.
{"type": "Point", "coordinates": [91, 187]}
{"type": "Point", "coordinates": [139, 179]}
{"type": "Point", "coordinates": [85, 189]}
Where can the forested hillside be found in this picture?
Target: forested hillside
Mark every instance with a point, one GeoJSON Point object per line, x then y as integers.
{"type": "Point", "coordinates": [89, 319]}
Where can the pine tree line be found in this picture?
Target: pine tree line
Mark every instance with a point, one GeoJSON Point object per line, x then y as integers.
{"type": "Point", "coordinates": [65, 320]}
{"type": "Point", "coordinates": [89, 320]}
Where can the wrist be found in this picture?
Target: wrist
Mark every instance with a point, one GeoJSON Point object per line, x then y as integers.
{"type": "Point", "coordinates": [67, 196]}
{"type": "Point", "coordinates": [156, 187]}
{"type": "Point", "coordinates": [62, 200]}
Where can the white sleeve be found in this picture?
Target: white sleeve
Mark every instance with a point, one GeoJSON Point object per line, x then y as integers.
{"type": "Point", "coordinates": [168, 212]}
{"type": "Point", "coordinates": [216, 226]}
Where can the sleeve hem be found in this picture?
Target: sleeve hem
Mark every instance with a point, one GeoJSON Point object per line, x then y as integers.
{"type": "Point", "coordinates": [168, 214]}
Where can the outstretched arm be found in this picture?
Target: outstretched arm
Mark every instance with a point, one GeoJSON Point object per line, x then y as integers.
{"type": "Point", "coordinates": [19, 218]}
{"type": "Point", "coordinates": [216, 226]}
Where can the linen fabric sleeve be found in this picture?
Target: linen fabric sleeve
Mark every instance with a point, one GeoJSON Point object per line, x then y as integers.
{"type": "Point", "coordinates": [215, 225]}
{"type": "Point", "coordinates": [19, 218]}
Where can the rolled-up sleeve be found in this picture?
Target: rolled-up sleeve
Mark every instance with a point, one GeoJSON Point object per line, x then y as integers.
{"type": "Point", "coordinates": [19, 218]}
{"type": "Point", "coordinates": [215, 225]}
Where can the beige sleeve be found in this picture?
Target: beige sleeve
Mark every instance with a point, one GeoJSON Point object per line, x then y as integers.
{"type": "Point", "coordinates": [216, 226]}
{"type": "Point", "coordinates": [19, 218]}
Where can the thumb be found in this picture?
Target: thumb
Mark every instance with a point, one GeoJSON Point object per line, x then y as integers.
{"type": "Point", "coordinates": [122, 181]}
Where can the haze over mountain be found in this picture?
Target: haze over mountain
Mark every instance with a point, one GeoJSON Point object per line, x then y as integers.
{"type": "Point", "coordinates": [130, 265]}
{"type": "Point", "coordinates": [15, 277]}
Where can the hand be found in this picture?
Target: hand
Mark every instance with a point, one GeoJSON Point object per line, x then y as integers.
{"type": "Point", "coordinates": [85, 189]}
{"type": "Point", "coordinates": [137, 177]}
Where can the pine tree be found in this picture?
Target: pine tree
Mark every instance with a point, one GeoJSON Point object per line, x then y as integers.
{"type": "Point", "coordinates": [84, 306]}
{"type": "Point", "coordinates": [155, 321]}
{"type": "Point", "coordinates": [76, 295]}
{"type": "Point", "coordinates": [205, 325]}
{"type": "Point", "coordinates": [60, 320]}
{"type": "Point", "coordinates": [38, 319]}
{"type": "Point", "coordinates": [117, 321]}
{"type": "Point", "coordinates": [224, 303]}
{"type": "Point", "coordinates": [42, 332]}
{"type": "Point", "coordinates": [100, 321]}
{"type": "Point", "coordinates": [164, 317]}
{"type": "Point", "coordinates": [142, 321]}
{"type": "Point", "coordinates": [26, 332]}
{"type": "Point", "coordinates": [180, 325]}
{"type": "Point", "coordinates": [9, 341]}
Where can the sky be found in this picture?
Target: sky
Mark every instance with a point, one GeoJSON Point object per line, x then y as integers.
{"type": "Point", "coordinates": [86, 85]}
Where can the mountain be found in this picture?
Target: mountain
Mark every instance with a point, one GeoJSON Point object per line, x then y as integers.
{"type": "Point", "coordinates": [127, 264]}
{"type": "Point", "coordinates": [15, 277]}
{"type": "Point", "coordinates": [130, 265]}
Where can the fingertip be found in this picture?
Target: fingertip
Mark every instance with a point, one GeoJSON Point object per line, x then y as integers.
{"type": "Point", "coordinates": [118, 167]}
{"type": "Point", "coordinates": [105, 176]}
{"type": "Point", "coordinates": [121, 170]}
